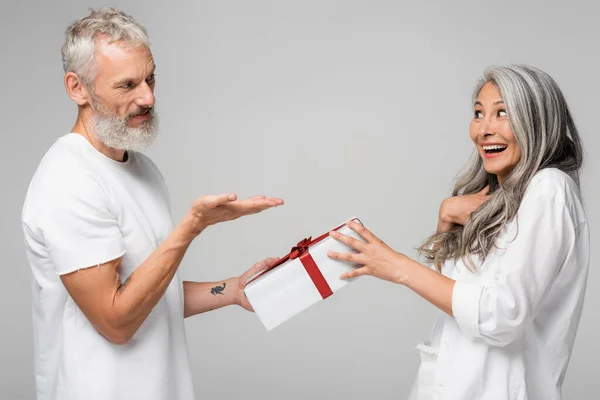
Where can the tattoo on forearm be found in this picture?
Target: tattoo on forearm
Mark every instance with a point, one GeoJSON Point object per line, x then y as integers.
{"type": "Point", "coordinates": [218, 289]}
{"type": "Point", "coordinates": [122, 285]}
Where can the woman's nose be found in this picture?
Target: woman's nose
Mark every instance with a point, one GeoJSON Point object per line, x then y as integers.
{"type": "Point", "coordinates": [486, 128]}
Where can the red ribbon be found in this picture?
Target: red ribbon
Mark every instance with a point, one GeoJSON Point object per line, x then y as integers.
{"type": "Point", "coordinates": [301, 250]}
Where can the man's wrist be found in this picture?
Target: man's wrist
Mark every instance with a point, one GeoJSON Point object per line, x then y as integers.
{"type": "Point", "coordinates": [232, 292]}
{"type": "Point", "coordinates": [194, 223]}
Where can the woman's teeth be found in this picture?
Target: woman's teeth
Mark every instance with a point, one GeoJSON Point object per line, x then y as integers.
{"type": "Point", "coordinates": [494, 148]}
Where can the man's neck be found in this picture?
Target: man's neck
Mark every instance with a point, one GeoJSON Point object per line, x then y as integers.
{"type": "Point", "coordinates": [82, 127]}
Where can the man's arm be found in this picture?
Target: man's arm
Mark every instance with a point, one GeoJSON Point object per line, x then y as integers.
{"type": "Point", "coordinates": [116, 309]}
{"type": "Point", "coordinates": [200, 297]}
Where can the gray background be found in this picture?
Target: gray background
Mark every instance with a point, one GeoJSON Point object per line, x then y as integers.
{"type": "Point", "coordinates": [341, 108]}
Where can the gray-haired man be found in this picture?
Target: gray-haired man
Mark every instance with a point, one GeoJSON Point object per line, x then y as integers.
{"type": "Point", "coordinates": [108, 304]}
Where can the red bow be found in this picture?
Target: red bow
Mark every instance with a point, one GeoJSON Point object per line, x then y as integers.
{"type": "Point", "coordinates": [300, 248]}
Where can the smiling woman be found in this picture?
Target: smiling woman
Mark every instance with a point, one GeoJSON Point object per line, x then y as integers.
{"type": "Point", "coordinates": [492, 133]}
{"type": "Point", "coordinates": [510, 257]}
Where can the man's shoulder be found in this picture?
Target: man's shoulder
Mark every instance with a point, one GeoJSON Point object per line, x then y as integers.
{"type": "Point", "coordinates": [61, 171]}
{"type": "Point", "coordinates": [149, 167]}
{"type": "Point", "coordinates": [65, 155]}
{"type": "Point", "coordinates": [147, 163]}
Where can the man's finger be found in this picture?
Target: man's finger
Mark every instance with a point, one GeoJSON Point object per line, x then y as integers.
{"type": "Point", "coordinates": [210, 202]}
{"type": "Point", "coordinates": [271, 201]}
{"type": "Point", "coordinates": [262, 265]}
{"type": "Point", "coordinates": [253, 206]}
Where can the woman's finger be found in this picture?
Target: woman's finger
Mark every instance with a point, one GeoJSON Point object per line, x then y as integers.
{"type": "Point", "coordinates": [363, 232]}
{"type": "Point", "coordinates": [355, 273]}
{"type": "Point", "coordinates": [348, 257]}
{"type": "Point", "coordinates": [347, 240]}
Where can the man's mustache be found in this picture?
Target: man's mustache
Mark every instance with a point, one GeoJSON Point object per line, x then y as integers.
{"type": "Point", "coordinates": [141, 111]}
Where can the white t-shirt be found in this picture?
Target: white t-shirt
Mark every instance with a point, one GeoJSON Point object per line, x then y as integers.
{"type": "Point", "coordinates": [516, 316]}
{"type": "Point", "coordinates": [83, 209]}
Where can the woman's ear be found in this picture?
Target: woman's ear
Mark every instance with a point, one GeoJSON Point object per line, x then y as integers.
{"type": "Point", "coordinates": [76, 89]}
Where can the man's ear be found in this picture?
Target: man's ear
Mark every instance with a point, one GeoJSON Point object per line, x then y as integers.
{"type": "Point", "coordinates": [76, 89]}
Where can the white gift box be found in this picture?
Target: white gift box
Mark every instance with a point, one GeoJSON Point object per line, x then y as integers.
{"type": "Point", "coordinates": [302, 278]}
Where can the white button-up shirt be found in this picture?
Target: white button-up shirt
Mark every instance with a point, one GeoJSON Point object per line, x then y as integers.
{"type": "Point", "coordinates": [516, 315]}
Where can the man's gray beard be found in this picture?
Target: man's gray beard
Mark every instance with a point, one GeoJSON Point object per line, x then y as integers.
{"type": "Point", "coordinates": [116, 133]}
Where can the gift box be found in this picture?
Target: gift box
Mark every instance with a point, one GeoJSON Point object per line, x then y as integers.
{"type": "Point", "coordinates": [302, 278]}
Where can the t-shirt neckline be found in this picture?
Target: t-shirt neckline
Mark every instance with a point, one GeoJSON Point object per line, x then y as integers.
{"type": "Point", "coordinates": [127, 164]}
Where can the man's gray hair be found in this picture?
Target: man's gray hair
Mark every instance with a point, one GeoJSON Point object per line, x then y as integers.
{"type": "Point", "coordinates": [79, 49]}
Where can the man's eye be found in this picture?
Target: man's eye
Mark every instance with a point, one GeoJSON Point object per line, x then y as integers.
{"type": "Point", "coordinates": [151, 78]}
{"type": "Point", "coordinates": [127, 85]}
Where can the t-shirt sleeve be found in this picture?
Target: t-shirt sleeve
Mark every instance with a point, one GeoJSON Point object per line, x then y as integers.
{"type": "Point", "coordinates": [79, 230]}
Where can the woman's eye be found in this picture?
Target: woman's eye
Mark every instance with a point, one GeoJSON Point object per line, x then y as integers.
{"type": "Point", "coordinates": [478, 114]}
{"type": "Point", "coordinates": [502, 113]}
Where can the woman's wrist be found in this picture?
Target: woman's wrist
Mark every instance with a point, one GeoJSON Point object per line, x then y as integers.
{"type": "Point", "coordinates": [403, 269]}
{"type": "Point", "coordinates": [446, 211]}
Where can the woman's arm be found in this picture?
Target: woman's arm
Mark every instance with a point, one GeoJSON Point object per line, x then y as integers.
{"type": "Point", "coordinates": [457, 210]}
{"type": "Point", "coordinates": [381, 261]}
{"type": "Point", "coordinates": [531, 262]}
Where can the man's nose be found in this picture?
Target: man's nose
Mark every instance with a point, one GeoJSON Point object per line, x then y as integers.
{"type": "Point", "coordinates": [145, 96]}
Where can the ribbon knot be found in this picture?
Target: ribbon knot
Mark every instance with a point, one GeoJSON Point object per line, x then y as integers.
{"type": "Point", "coordinates": [300, 248]}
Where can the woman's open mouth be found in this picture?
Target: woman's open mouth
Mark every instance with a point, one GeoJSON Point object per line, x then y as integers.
{"type": "Point", "coordinates": [493, 150]}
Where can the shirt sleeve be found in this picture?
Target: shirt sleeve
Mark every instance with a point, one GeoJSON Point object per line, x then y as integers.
{"type": "Point", "coordinates": [78, 229]}
{"type": "Point", "coordinates": [529, 265]}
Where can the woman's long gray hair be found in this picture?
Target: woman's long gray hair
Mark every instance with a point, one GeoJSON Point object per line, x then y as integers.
{"type": "Point", "coordinates": [547, 137]}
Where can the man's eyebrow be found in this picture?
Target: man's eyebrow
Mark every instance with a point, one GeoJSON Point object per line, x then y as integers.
{"type": "Point", "coordinates": [123, 81]}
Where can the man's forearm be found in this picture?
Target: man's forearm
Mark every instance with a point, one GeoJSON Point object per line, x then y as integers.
{"type": "Point", "coordinates": [136, 297]}
{"type": "Point", "coordinates": [200, 297]}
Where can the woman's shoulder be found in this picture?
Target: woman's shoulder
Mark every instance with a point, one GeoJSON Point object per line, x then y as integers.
{"type": "Point", "coordinates": [550, 185]}
{"type": "Point", "coordinates": [552, 182]}
{"type": "Point", "coordinates": [550, 178]}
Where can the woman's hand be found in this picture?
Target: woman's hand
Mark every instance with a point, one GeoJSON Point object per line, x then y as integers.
{"type": "Point", "coordinates": [379, 260]}
{"type": "Point", "coordinates": [376, 257]}
{"type": "Point", "coordinates": [458, 209]}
